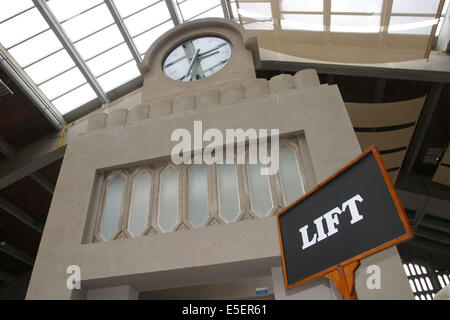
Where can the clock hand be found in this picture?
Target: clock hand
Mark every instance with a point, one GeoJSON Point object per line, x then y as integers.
{"type": "Point", "coordinates": [192, 62]}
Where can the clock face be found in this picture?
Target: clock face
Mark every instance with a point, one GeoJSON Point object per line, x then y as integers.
{"type": "Point", "coordinates": [197, 58]}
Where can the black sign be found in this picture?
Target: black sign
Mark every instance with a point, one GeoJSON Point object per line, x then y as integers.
{"type": "Point", "coordinates": [354, 213]}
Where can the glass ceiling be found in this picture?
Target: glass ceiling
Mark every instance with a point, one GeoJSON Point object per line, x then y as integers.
{"type": "Point", "coordinates": [96, 32]}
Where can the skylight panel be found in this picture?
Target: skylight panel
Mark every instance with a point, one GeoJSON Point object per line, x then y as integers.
{"type": "Point", "coordinates": [35, 48]}
{"type": "Point", "coordinates": [255, 10]}
{"type": "Point", "coordinates": [88, 22]}
{"type": "Point", "coordinates": [192, 8]}
{"type": "Point", "coordinates": [119, 76]}
{"type": "Point", "coordinates": [301, 5]}
{"type": "Point", "coordinates": [310, 22]}
{"type": "Point", "coordinates": [50, 66]}
{"type": "Point", "coordinates": [62, 83]}
{"type": "Point", "coordinates": [234, 9]}
{"type": "Point", "coordinates": [358, 6]}
{"type": "Point", "coordinates": [411, 25]}
{"type": "Point", "coordinates": [22, 27]}
{"type": "Point", "coordinates": [127, 7]}
{"type": "Point", "coordinates": [147, 18]}
{"type": "Point", "coordinates": [11, 8]}
{"type": "Point", "coordinates": [354, 23]}
{"type": "Point", "coordinates": [215, 12]}
{"type": "Point", "coordinates": [74, 99]}
{"type": "Point", "coordinates": [415, 6]}
{"type": "Point", "coordinates": [99, 41]}
{"type": "Point", "coordinates": [63, 9]}
{"type": "Point", "coordinates": [109, 59]}
{"type": "Point", "coordinates": [257, 25]}
{"type": "Point", "coordinates": [145, 40]}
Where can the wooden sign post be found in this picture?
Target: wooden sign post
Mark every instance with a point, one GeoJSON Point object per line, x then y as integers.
{"type": "Point", "coordinates": [344, 280]}
{"type": "Point", "coordinates": [351, 215]}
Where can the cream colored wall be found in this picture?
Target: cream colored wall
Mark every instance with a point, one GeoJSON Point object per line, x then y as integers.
{"type": "Point", "coordinates": [191, 257]}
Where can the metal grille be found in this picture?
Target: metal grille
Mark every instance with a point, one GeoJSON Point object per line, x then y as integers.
{"type": "Point", "coordinates": [424, 280]}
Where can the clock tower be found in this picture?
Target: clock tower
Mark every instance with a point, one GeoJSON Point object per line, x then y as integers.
{"type": "Point", "coordinates": [221, 44]}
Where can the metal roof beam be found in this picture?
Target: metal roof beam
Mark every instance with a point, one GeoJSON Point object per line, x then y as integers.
{"type": "Point", "coordinates": [7, 149]}
{"type": "Point", "coordinates": [16, 253]}
{"type": "Point", "coordinates": [123, 30]}
{"type": "Point", "coordinates": [225, 9]}
{"type": "Point", "coordinates": [422, 126]}
{"type": "Point", "coordinates": [424, 74]}
{"type": "Point", "coordinates": [173, 12]}
{"type": "Point", "coordinates": [45, 11]}
{"type": "Point", "coordinates": [7, 277]}
{"type": "Point", "coordinates": [43, 181]}
{"type": "Point", "coordinates": [21, 79]}
{"type": "Point", "coordinates": [18, 213]}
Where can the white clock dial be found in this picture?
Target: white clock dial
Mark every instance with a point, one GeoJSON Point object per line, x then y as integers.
{"type": "Point", "coordinates": [197, 58]}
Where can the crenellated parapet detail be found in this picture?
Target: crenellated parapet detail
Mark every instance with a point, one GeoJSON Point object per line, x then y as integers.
{"type": "Point", "coordinates": [203, 100]}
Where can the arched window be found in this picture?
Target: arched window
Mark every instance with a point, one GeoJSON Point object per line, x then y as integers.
{"type": "Point", "coordinates": [228, 192]}
{"type": "Point", "coordinates": [168, 198]}
{"type": "Point", "coordinates": [198, 194]}
{"type": "Point", "coordinates": [112, 207]}
{"type": "Point", "coordinates": [260, 194]}
{"type": "Point", "coordinates": [291, 179]}
{"type": "Point", "coordinates": [140, 203]}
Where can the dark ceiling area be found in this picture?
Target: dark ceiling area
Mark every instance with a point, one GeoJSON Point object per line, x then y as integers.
{"type": "Point", "coordinates": [21, 124]}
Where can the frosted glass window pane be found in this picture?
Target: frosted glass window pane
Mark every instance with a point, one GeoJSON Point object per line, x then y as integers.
{"type": "Point", "coordinates": [147, 18]}
{"type": "Point", "coordinates": [198, 195]}
{"type": "Point", "coordinates": [290, 175]}
{"type": "Point", "coordinates": [74, 99]}
{"type": "Point", "coordinates": [63, 9]}
{"type": "Point", "coordinates": [140, 204]}
{"type": "Point", "coordinates": [99, 42]}
{"type": "Point", "coordinates": [372, 6]}
{"type": "Point", "coordinates": [311, 22]}
{"type": "Point", "coordinates": [145, 40]}
{"type": "Point", "coordinates": [10, 8]}
{"type": "Point", "coordinates": [127, 7]}
{"type": "Point", "coordinates": [301, 5]}
{"type": "Point", "coordinates": [350, 23]}
{"type": "Point", "coordinates": [415, 6]}
{"type": "Point", "coordinates": [119, 76]}
{"type": "Point", "coordinates": [168, 199]}
{"type": "Point", "coordinates": [21, 27]}
{"type": "Point", "coordinates": [411, 25]}
{"type": "Point", "coordinates": [109, 59]}
{"type": "Point", "coordinates": [88, 22]}
{"type": "Point", "coordinates": [50, 66]}
{"type": "Point", "coordinates": [112, 208]}
{"type": "Point", "coordinates": [35, 48]}
{"type": "Point", "coordinates": [228, 192]}
{"type": "Point", "coordinates": [62, 83]}
{"type": "Point", "coordinates": [260, 194]}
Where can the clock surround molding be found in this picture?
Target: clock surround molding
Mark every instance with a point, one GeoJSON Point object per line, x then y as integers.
{"type": "Point", "coordinates": [240, 68]}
